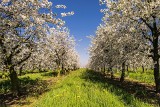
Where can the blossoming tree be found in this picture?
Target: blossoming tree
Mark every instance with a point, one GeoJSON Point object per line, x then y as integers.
{"type": "Point", "coordinates": [22, 27]}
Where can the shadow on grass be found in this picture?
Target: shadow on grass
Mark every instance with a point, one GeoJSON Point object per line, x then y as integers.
{"type": "Point", "coordinates": [128, 90]}
{"type": "Point", "coordinates": [50, 74]}
{"type": "Point", "coordinates": [29, 87]}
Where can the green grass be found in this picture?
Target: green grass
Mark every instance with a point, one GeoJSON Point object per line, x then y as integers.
{"type": "Point", "coordinates": [83, 88]}
{"type": "Point", "coordinates": [27, 80]}
{"type": "Point", "coordinates": [4, 75]}
{"type": "Point", "coordinates": [146, 77]}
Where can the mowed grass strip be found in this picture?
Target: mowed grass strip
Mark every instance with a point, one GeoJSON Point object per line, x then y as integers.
{"type": "Point", "coordinates": [82, 88]}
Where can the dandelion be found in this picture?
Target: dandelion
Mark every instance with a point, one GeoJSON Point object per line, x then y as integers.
{"type": "Point", "coordinates": [78, 96]}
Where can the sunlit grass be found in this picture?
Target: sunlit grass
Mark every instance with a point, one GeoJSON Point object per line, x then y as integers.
{"type": "Point", "coordinates": [146, 77]}
{"type": "Point", "coordinates": [79, 90]}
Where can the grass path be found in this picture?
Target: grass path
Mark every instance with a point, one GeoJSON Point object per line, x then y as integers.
{"type": "Point", "coordinates": [82, 88]}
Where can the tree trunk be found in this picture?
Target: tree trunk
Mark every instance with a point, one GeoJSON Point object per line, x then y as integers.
{"type": "Point", "coordinates": [142, 69]}
{"type": "Point", "coordinates": [104, 69]}
{"type": "Point", "coordinates": [14, 82]}
{"type": "Point", "coordinates": [123, 72]}
{"type": "Point", "coordinates": [59, 71]}
{"type": "Point", "coordinates": [40, 70]}
{"type": "Point", "coordinates": [108, 70]}
{"type": "Point", "coordinates": [101, 69]}
{"type": "Point", "coordinates": [20, 70]}
{"type": "Point", "coordinates": [62, 69]}
{"type": "Point", "coordinates": [112, 74]}
{"type": "Point", "coordinates": [156, 75]}
{"type": "Point", "coordinates": [134, 68]}
{"type": "Point", "coordinates": [156, 56]}
{"type": "Point", "coordinates": [156, 67]}
{"type": "Point", "coordinates": [127, 68]}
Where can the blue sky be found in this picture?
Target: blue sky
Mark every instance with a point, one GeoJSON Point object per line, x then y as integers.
{"type": "Point", "coordinates": [83, 23]}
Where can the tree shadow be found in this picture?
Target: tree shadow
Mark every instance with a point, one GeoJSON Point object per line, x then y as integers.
{"type": "Point", "coordinates": [28, 87]}
{"type": "Point", "coordinates": [128, 90]}
{"type": "Point", "coordinates": [50, 74]}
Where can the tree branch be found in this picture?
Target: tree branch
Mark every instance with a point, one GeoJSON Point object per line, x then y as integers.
{"type": "Point", "coordinates": [146, 37]}
{"type": "Point", "coordinates": [150, 27]}
{"type": "Point", "coordinates": [23, 59]}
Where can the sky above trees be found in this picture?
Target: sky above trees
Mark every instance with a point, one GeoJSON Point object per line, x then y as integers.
{"type": "Point", "coordinates": [83, 23]}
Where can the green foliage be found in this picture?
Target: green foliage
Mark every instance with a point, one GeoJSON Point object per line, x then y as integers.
{"type": "Point", "coordinates": [87, 89]}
